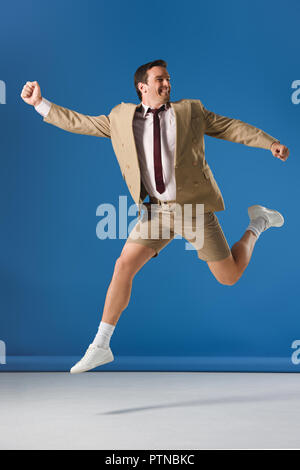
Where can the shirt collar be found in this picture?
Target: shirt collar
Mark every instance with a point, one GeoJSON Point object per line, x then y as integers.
{"type": "Point", "coordinates": [144, 108]}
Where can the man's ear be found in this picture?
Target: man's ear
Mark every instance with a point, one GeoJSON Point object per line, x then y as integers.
{"type": "Point", "coordinates": [141, 87]}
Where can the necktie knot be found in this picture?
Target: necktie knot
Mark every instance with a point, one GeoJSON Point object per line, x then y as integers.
{"type": "Point", "coordinates": [156, 111]}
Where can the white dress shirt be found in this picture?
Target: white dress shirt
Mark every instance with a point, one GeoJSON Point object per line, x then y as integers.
{"type": "Point", "coordinates": [143, 134]}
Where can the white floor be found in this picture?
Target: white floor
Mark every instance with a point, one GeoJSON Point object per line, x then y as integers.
{"type": "Point", "coordinates": [150, 410]}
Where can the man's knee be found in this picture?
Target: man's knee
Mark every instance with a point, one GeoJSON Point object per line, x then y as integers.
{"type": "Point", "coordinates": [225, 271]}
{"type": "Point", "coordinates": [123, 265]}
{"type": "Point", "coordinates": [228, 280]}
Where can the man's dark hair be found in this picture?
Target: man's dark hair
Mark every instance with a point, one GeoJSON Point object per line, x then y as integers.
{"type": "Point", "coordinates": [141, 75]}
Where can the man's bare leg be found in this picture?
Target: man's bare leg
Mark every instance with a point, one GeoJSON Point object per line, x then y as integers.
{"type": "Point", "coordinates": [229, 270]}
{"type": "Point", "coordinates": [132, 259]}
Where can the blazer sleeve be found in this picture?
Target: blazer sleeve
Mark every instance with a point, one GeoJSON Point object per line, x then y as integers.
{"type": "Point", "coordinates": [78, 123]}
{"type": "Point", "coordinates": [235, 130]}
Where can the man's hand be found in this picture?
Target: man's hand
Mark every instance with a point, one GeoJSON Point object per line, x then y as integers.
{"type": "Point", "coordinates": [31, 93]}
{"type": "Point", "coordinates": [280, 151]}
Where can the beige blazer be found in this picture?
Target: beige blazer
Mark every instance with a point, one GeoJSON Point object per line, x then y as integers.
{"type": "Point", "coordinates": [195, 182]}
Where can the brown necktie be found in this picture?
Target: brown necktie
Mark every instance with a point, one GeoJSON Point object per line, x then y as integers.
{"type": "Point", "coordinates": [159, 181]}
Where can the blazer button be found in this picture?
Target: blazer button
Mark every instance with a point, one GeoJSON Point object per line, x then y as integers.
{"type": "Point", "coordinates": [195, 163]}
{"type": "Point", "coordinates": [179, 188]}
{"type": "Point", "coordinates": [196, 183]}
{"type": "Point", "coordinates": [128, 166]}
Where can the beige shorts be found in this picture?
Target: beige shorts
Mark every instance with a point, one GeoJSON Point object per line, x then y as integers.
{"type": "Point", "coordinates": [206, 236]}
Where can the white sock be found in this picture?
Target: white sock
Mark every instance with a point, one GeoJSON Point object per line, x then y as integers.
{"type": "Point", "coordinates": [103, 335]}
{"type": "Point", "coordinates": [257, 225]}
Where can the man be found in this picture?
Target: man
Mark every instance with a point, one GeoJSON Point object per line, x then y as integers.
{"type": "Point", "coordinates": [159, 145]}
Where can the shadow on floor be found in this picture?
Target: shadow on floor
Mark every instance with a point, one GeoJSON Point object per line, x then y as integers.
{"type": "Point", "coordinates": [214, 401]}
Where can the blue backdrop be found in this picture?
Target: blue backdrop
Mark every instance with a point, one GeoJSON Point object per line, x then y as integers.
{"type": "Point", "coordinates": [240, 59]}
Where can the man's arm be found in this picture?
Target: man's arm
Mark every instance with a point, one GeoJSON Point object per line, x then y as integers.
{"type": "Point", "coordinates": [238, 131]}
{"type": "Point", "coordinates": [64, 118]}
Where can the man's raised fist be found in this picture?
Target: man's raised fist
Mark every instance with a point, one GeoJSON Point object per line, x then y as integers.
{"type": "Point", "coordinates": [31, 93]}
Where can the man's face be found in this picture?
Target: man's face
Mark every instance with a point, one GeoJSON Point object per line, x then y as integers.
{"type": "Point", "coordinates": [158, 86]}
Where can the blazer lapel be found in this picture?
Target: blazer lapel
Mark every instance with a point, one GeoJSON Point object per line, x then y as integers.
{"type": "Point", "coordinates": [182, 110]}
{"type": "Point", "coordinates": [128, 135]}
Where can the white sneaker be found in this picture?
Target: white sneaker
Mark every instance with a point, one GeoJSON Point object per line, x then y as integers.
{"type": "Point", "coordinates": [94, 357]}
{"type": "Point", "coordinates": [273, 218]}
